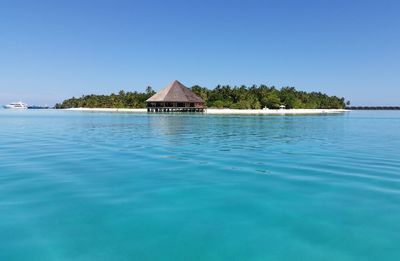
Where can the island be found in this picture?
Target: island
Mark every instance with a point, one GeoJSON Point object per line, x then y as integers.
{"type": "Point", "coordinates": [257, 98]}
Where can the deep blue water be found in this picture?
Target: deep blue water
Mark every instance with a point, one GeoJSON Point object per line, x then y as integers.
{"type": "Point", "coordinates": [107, 186]}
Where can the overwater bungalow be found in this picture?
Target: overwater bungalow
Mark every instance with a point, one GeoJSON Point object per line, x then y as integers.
{"type": "Point", "coordinates": [175, 98]}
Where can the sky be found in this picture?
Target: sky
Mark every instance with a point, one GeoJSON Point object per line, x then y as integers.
{"type": "Point", "coordinates": [52, 50]}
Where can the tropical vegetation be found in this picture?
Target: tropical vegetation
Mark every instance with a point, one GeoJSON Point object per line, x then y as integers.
{"type": "Point", "coordinates": [222, 96]}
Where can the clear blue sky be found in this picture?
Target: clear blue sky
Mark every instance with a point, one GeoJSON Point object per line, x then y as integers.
{"type": "Point", "coordinates": [51, 50]}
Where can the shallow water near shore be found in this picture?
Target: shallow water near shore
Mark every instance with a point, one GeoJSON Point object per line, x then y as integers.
{"type": "Point", "coordinates": [115, 186]}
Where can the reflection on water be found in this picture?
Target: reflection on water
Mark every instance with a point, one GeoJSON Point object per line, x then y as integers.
{"type": "Point", "coordinates": [101, 186]}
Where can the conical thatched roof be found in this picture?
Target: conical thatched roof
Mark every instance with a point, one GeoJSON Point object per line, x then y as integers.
{"type": "Point", "coordinates": [175, 92]}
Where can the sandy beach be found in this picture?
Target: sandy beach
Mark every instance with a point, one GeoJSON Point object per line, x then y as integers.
{"type": "Point", "coordinates": [227, 111]}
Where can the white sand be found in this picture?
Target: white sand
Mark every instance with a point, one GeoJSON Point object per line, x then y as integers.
{"type": "Point", "coordinates": [226, 111]}
{"type": "Point", "coordinates": [276, 112]}
{"type": "Point", "coordinates": [106, 110]}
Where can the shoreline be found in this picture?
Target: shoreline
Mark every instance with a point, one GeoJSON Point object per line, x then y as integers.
{"type": "Point", "coordinates": [226, 111]}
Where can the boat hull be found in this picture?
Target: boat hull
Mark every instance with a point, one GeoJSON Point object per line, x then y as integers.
{"type": "Point", "coordinates": [14, 108]}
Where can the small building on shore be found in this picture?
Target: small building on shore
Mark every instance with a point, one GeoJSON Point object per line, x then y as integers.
{"type": "Point", "coordinates": [175, 98]}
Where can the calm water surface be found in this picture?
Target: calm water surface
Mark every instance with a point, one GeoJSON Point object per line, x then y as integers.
{"type": "Point", "coordinates": [105, 186]}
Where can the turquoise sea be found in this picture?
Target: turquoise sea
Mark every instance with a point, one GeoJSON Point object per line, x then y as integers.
{"type": "Point", "coordinates": [108, 186]}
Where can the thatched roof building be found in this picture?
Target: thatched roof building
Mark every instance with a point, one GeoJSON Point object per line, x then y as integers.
{"type": "Point", "coordinates": [175, 97]}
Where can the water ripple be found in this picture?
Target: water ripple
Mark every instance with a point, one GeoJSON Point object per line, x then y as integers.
{"type": "Point", "coordinates": [117, 186]}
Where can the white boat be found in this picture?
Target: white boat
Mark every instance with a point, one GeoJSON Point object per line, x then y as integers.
{"type": "Point", "coordinates": [16, 105]}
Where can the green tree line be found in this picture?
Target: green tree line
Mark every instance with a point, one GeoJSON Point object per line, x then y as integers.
{"type": "Point", "coordinates": [222, 96]}
{"type": "Point", "coordinates": [121, 100]}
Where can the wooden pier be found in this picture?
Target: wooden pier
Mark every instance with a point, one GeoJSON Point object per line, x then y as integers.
{"type": "Point", "coordinates": [174, 109]}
